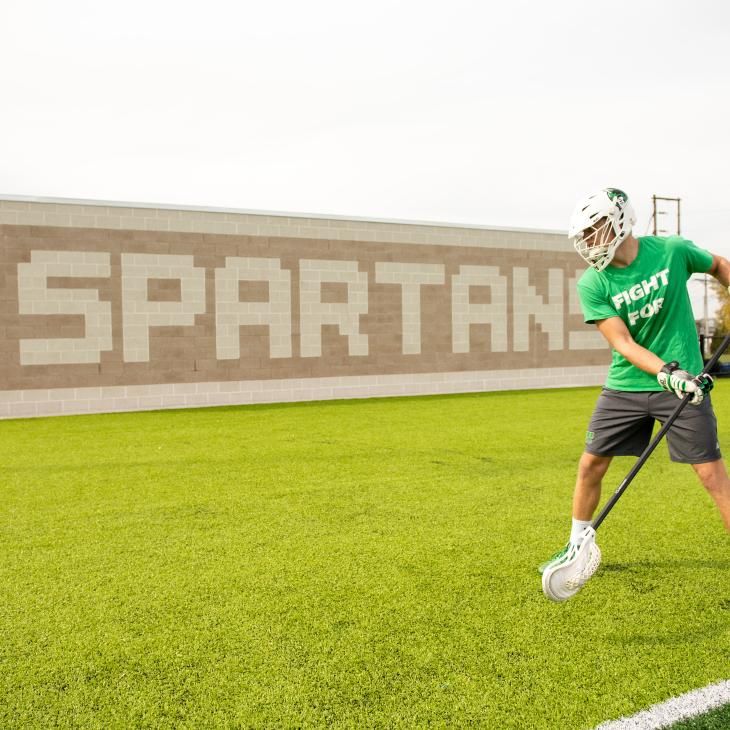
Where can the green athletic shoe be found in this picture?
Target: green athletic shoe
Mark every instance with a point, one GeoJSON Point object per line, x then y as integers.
{"type": "Point", "coordinates": [557, 558]}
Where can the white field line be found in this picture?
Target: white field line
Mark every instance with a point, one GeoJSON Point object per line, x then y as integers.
{"type": "Point", "coordinates": [679, 708]}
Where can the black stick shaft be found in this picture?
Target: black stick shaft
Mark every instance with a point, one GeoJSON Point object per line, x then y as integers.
{"type": "Point", "coordinates": [655, 441]}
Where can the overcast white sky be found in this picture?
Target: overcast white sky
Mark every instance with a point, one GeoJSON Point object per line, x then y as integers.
{"type": "Point", "coordinates": [491, 113]}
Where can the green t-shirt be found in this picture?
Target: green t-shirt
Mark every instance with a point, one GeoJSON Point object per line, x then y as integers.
{"type": "Point", "coordinates": [650, 295]}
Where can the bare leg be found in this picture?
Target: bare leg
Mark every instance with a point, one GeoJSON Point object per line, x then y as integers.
{"type": "Point", "coordinates": [714, 477]}
{"type": "Point", "coordinates": [587, 494]}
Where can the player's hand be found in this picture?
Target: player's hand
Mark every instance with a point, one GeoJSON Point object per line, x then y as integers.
{"type": "Point", "coordinates": [675, 380]}
{"type": "Point", "coordinates": [705, 384]}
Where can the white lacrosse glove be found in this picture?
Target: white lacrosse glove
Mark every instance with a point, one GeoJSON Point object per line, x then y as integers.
{"type": "Point", "coordinates": [675, 380]}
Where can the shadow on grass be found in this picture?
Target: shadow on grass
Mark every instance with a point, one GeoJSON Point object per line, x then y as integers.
{"type": "Point", "coordinates": [644, 565]}
{"type": "Point", "coordinates": [638, 572]}
{"type": "Point", "coordinates": [684, 637]}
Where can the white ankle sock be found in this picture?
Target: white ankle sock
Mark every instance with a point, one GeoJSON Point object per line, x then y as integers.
{"type": "Point", "coordinates": [577, 530]}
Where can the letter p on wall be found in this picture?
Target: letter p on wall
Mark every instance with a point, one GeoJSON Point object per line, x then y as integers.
{"type": "Point", "coordinates": [139, 314]}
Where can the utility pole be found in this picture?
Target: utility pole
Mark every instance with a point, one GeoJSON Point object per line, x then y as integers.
{"type": "Point", "coordinates": [656, 213]}
{"type": "Point", "coordinates": [659, 202]}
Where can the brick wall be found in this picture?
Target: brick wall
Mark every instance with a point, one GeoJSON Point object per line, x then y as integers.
{"type": "Point", "coordinates": [105, 307]}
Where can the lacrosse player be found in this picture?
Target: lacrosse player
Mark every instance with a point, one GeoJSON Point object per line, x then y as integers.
{"type": "Point", "coordinates": [635, 292]}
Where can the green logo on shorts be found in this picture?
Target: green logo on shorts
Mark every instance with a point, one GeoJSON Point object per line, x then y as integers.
{"type": "Point", "coordinates": [589, 437]}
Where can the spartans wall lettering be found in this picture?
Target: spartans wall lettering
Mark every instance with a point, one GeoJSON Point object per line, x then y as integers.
{"type": "Point", "coordinates": [511, 305]}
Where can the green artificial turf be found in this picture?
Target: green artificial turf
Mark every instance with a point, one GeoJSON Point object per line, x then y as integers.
{"type": "Point", "coordinates": [354, 563]}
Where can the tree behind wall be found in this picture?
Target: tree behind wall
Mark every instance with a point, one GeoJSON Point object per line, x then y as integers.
{"type": "Point", "coordinates": [722, 317]}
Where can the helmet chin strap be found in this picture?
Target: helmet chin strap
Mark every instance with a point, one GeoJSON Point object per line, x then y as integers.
{"type": "Point", "coordinates": [620, 243]}
{"type": "Point", "coordinates": [613, 248]}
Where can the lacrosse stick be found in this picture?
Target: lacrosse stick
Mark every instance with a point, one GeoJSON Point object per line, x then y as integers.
{"type": "Point", "coordinates": [564, 579]}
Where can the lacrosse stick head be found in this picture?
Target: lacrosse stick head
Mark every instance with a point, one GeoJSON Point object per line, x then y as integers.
{"type": "Point", "coordinates": [564, 579]}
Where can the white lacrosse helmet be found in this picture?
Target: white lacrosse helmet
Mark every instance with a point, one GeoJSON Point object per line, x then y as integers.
{"type": "Point", "coordinates": [600, 224]}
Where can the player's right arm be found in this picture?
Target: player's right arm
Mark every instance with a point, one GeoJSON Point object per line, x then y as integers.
{"type": "Point", "coordinates": [669, 375]}
{"type": "Point", "coordinates": [617, 334]}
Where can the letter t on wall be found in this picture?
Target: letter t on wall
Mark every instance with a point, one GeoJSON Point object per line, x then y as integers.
{"type": "Point", "coordinates": [410, 277]}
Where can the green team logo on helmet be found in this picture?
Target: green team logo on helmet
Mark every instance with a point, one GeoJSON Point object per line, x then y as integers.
{"type": "Point", "coordinates": [617, 196]}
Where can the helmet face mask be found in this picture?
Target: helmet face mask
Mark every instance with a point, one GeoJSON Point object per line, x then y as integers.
{"type": "Point", "coordinates": [600, 224]}
{"type": "Point", "coordinates": [597, 244]}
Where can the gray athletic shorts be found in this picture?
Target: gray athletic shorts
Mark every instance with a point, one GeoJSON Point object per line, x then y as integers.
{"type": "Point", "coordinates": [622, 425]}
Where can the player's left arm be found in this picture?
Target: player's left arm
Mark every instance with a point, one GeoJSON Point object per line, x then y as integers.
{"type": "Point", "coordinates": [720, 269]}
